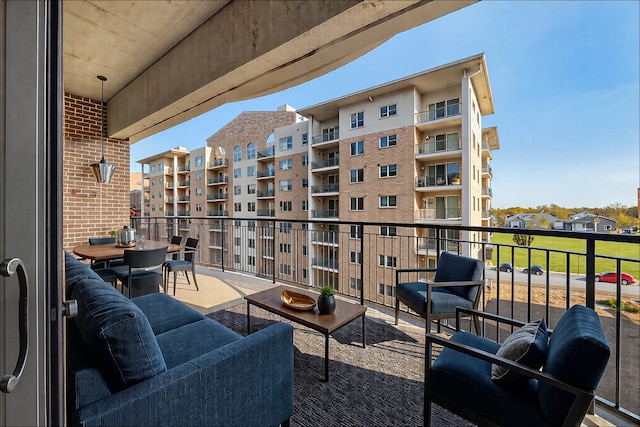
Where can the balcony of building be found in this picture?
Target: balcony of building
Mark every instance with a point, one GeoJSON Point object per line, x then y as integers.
{"type": "Point", "coordinates": [218, 213]}
{"type": "Point", "coordinates": [449, 115]}
{"type": "Point", "coordinates": [266, 194]}
{"type": "Point", "coordinates": [184, 199]}
{"type": "Point", "coordinates": [217, 197]}
{"type": "Point", "coordinates": [184, 169]}
{"type": "Point", "coordinates": [487, 171]}
{"type": "Point", "coordinates": [266, 212]}
{"type": "Point", "coordinates": [439, 214]}
{"type": "Point", "coordinates": [184, 184]}
{"type": "Point", "coordinates": [438, 182]}
{"type": "Point", "coordinates": [326, 139]}
{"type": "Point", "coordinates": [266, 174]}
{"type": "Point", "coordinates": [568, 279]}
{"type": "Point", "coordinates": [325, 213]}
{"type": "Point", "coordinates": [325, 165]}
{"type": "Point", "coordinates": [267, 154]}
{"type": "Point", "coordinates": [487, 192]}
{"type": "Point", "coordinates": [440, 149]}
{"type": "Point", "coordinates": [325, 190]}
{"type": "Point", "coordinates": [218, 180]}
{"type": "Point", "coordinates": [218, 164]}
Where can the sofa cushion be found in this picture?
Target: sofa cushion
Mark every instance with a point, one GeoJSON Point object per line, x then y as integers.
{"type": "Point", "coordinates": [578, 354]}
{"type": "Point", "coordinates": [117, 333]}
{"type": "Point", "coordinates": [188, 342]}
{"type": "Point", "coordinates": [528, 346]}
{"type": "Point", "coordinates": [459, 377]}
{"type": "Point", "coordinates": [165, 312]}
{"type": "Point", "coordinates": [75, 271]}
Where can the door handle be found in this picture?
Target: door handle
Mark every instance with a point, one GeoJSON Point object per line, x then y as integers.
{"type": "Point", "coordinates": [8, 268]}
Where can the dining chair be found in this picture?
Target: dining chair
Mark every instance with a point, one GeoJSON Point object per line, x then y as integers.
{"type": "Point", "coordinates": [102, 268]}
{"type": "Point", "coordinates": [187, 263]}
{"type": "Point", "coordinates": [141, 273]}
{"type": "Point", "coordinates": [175, 240]}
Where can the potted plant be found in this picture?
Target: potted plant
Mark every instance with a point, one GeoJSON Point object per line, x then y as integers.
{"type": "Point", "coordinates": [113, 233]}
{"type": "Point", "coordinates": [326, 300]}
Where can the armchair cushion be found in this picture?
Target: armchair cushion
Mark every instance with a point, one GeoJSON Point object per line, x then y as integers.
{"type": "Point", "coordinates": [528, 346]}
{"type": "Point", "coordinates": [578, 354]}
{"type": "Point", "coordinates": [117, 333]}
{"type": "Point", "coordinates": [457, 268]}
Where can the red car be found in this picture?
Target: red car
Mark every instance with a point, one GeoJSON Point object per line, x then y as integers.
{"type": "Point", "coordinates": [611, 277]}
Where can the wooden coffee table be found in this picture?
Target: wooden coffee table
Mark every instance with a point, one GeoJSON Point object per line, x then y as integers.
{"type": "Point", "coordinates": [345, 313]}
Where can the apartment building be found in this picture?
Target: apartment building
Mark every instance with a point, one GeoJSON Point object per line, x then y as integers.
{"type": "Point", "coordinates": [411, 151]}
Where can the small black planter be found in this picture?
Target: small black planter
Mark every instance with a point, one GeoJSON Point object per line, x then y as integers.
{"type": "Point", "coordinates": [326, 305]}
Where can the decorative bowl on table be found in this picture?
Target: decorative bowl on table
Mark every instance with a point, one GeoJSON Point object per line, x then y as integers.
{"type": "Point", "coordinates": [297, 301]}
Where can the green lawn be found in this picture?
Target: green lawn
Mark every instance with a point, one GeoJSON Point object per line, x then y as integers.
{"type": "Point", "coordinates": [558, 261]}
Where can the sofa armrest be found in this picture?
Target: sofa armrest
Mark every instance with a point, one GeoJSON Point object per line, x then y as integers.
{"type": "Point", "coordinates": [246, 382]}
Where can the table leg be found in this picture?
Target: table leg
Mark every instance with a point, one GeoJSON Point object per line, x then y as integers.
{"type": "Point", "coordinates": [364, 335]}
{"type": "Point", "coordinates": [326, 357]}
{"type": "Point", "coordinates": [248, 318]}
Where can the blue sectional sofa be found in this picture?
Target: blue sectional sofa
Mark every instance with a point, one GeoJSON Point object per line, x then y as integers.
{"type": "Point", "coordinates": [153, 361]}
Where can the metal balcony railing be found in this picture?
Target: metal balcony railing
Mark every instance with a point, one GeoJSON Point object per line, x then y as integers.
{"type": "Point", "coordinates": [438, 214]}
{"type": "Point", "coordinates": [324, 213]}
{"type": "Point", "coordinates": [217, 196]}
{"type": "Point", "coordinates": [328, 163]}
{"type": "Point", "coordinates": [570, 261]}
{"type": "Point", "coordinates": [433, 146]}
{"type": "Point", "coordinates": [218, 180]}
{"type": "Point", "coordinates": [326, 137]}
{"type": "Point", "coordinates": [218, 163]}
{"type": "Point", "coordinates": [437, 180]}
{"type": "Point", "coordinates": [325, 188]}
{"type": "Point", "coordinates": [448, 111]}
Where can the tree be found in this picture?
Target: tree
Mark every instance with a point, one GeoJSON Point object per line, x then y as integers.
{"type": "Point", "coordinates": [523, 239]}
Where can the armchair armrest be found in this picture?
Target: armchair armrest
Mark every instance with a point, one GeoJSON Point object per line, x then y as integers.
{"type": "Point", "coordinates": [581, 395]}
{"type": "Point", "coordinates": [213, 389]}
{"type": "Point", "coordinates": [486, 315]}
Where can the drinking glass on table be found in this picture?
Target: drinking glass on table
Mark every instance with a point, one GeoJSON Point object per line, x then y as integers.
{"type": "Point", "coordinates": [141, 241]}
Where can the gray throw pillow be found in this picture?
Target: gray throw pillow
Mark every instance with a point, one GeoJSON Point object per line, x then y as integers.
{"type": "Point", "coordinates": [528, 346]}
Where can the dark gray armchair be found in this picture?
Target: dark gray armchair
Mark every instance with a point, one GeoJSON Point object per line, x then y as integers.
{"type": "Point", "coordinates": [457, 283]}
{"type": "Point", "coordinates": [188, 263]}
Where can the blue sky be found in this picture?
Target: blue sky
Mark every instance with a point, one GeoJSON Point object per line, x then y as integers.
{"type": "Point", "coordinates": [565, 81]}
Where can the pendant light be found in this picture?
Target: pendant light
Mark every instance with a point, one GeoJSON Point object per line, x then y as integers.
{"type": "Point", "coordinates": [102, 170]}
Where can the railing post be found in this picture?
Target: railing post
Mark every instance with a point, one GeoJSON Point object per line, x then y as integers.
{"type": "Point", "coordinates": [361, 236]}
{"type": "Point", "coordinates": [223, 225]}
{"type": "Point", "coordinates": [590, 289]}
{"type": "Point", "coordinates": [273, 251]}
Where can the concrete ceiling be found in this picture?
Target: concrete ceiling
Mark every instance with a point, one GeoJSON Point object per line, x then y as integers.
{"type": "Point", "coordinates": [169, 61]}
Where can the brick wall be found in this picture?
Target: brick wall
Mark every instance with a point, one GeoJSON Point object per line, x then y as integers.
{"type": "Point", "coordinates": [91, 209]}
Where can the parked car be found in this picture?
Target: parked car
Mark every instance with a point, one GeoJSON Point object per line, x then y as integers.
{"type": "Point", "coordinates": [535, 269]}
{"type": "Point", "coordinates": [611, 277]}
{"type": "Point", "coordinates": [505, 266]}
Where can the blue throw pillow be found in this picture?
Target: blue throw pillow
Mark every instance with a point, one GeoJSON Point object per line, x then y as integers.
{"type": "Point", "coordinates": [528, 346]}
{"type": "Point", "coordinates": [118, 334]}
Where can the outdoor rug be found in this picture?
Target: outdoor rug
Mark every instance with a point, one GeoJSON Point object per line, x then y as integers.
{"type": "Point", "coordinates": [380, 385]}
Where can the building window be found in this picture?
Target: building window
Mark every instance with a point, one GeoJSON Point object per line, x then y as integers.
{"type": "Point", "coordinates": [305, 160]}
{"type": "Point", "coordinates": [355, 284]}
{"type": "Point", "coordinates": [357, 148]}
{"type": "Point", "coordinates": [198, 207]}
{"type": "Point", "coordinates": [237, 173]}
{"type": "Point", "coordinates": [385, 290]}
{"type": "Point", "coordinates": [251, 150]}
{"type": "Point", "coordinates": [251, 206]}
{"type": "Point", "coordinates": [357, 120]}
{"type": "Point", "coordinates": [450, 107]}
{"type": "Point", "coordinates": [304, 205]}
{"type": "Point", "coordinates": [388, 141]}
{"type": "Point", "coordinates": [388, 201]}
{"type": "Point", "coordinates": [153, 168]}
{"type": "Point", "coordinates": [236, 259]}
{"type": "Point", "coordinates": [388, 171]}
{"type": "Point", "coordinates": [357, 175]}
{"type": "Point", "coordinates": [387, 261]}
{"type": "Point", "coordinates": [355, 231]}
{"type": "Point", "coordinates": [304, 250]}
{"type": "Point", "coordinates": [305, 182]}
{"type": "Point", "coordinates": [329, 134]}
{"type": "Point", "coordinates": [199, 191]}
{"type": "Point", "coordinates": [237, 190]}
{"type": "Point", "coordinates": [237, 154]}
{"type": "Point", "coordinates": [251, 260]}
{"type": "Point", "coordinates": [161, 181]}
{"type": "Point", "coordinates": [285, 227]}
{"type": "Point", "coordinates": [251, 189]}
{"type": "Point", "coordinates": [388, 110]}
{"type": "Point", "coordinates": [285, 206]}
{"type": "Point", "coordinates": [251, 243]}
{"type": "Point", "coordinates": [251, 171]}
{"type": "Point", "coordinates": [305, 138]}
{"type": "Point", "coordinates": [285, 248]}
{"type": "Point", "coordinates": [285, 269]}
{"type": "Point", "coordinates": [286, 185]}
{"type": "Point", "coordinates": [388, 231]}
{"type": "Point", "coordinates": [355, 257]}
{"type": "Point", "coordinates": [153, 181]}
{"type": "Point", "coordinates": [199, 176]}
{"type": "Point", "coordinates": [286, 143]}
{"type": "Point", "coordinates": [357, 203]}
{"type": "Point", "coordinates": [237, 241]}
{"type": "Point", "coordinates": [198, 161]}
{"type": "Point", "coordinates": [286, 164]}
{"type": "Point", "coordinates": [237, 207]}
{"type": "Point", "coordinates": [159, 166]}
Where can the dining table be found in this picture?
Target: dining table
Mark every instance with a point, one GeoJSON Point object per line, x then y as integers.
{"type": "Point", "coordinates": [111, 251]}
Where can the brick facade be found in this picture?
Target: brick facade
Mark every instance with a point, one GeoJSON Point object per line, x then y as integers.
{"type": "Point", "coordinates": [91, 209]}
